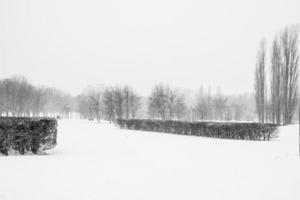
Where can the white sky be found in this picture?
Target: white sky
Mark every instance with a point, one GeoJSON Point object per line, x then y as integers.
{"type": "Point", "coordinates": [70, 44]}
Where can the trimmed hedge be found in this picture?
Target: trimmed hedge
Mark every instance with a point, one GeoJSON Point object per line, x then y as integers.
{"type": "Point", "coordinates": [242, 131]}
{"type": "Point", "coordinates": [27, 134]}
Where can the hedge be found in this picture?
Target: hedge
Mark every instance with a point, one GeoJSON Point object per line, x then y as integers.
{"type": "Point", "coordinates": [24, 135]}
{"type": "Point", "coordinates": [242, 131]}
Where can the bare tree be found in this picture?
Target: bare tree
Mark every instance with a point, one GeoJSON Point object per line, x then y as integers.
{"type": "Point", "coordinates": [238, 111]}
{"type": "Point", "coordinates": [171, 98]}
{"type": "Point", "coordinates": [17, 96]}
{"type": "Point", "coordinates": [202, 107]}
{"type": "Point", "coordinates": [5, 91]}
{"type": "Point", "coordinates": [135, 103]}
{"type": "Point", "coordinates": [220, 106]}
{"type": "Point", "coordinates": [119, 102]}
{"type": "Point", "coordinates": [209, 104]}
{"type": "Point", "coordinates": [180, 107]}
{"type": "Point", "coordinates": [166, 102]}
{"type": "Point", "coordinates": [131, 102]}
{"type": "Point", "coordinates": [228, 111]}
{"type": "Point", "coordinates": [24, 96]}
{"type": "Point", "coordinates": [108, 102]}
{"type": "Point", "coordinates": [260, 81]}
{"type": "Point", "coordinates": [39, 101]}
{"type": "Point", "coordinates": [94, 101]}
{"type": "Point", "coordinates": [157, 106]}
{"type": "Point", "coordinates": [83, 107]}
{"type": "Point", "coordinates": [127, 95]}
{"type": "Point", "coordinates": [58, 103]}
{"type": "Point", "coordinates": [290, 65]}
{"type": "Point", "coordinates": [276, 81]}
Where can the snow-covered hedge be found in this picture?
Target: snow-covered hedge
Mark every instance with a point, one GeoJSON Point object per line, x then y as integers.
{"type": "Point", "coordinates": [27, 134]}
{"type": "Point", "coordinates": [243, 131]}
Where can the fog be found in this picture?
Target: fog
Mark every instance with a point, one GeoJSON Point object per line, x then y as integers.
{"type": "Point", "coordinates": [72, 44]}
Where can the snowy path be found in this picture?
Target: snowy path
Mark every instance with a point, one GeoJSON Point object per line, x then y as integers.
{"type": "Point", "coordinates": [100, 161]}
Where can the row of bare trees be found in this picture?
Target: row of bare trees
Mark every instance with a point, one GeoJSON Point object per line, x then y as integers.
{"type": "Point", "coordinates": [221, 107]}
{"type": "Point", "coordinates": [18, 97]}
{"type": "Point", "coordinates": [168, 103]}
{"type": "Point", "coordinates": [280, 105]}
{"type": "Point", "coordinates": [108, 103]}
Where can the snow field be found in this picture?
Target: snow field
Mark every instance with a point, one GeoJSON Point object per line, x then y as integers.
{"type": "Point", "coordinates": [101, 161]}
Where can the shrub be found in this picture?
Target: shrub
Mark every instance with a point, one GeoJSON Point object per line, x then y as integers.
{"type": "Point", "coordinates": [27, 134]}
{"type": "Point", "coordinates": [242, 131]}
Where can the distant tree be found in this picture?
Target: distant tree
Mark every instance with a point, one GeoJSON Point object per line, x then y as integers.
{"type": "Point", "coordinates": [166, 102]}
{"type": "Point", "coordinates": [58, 102]}
{"type": "Point", "coordinates": [118, 102]}
{"type": "Point", "coordinates": [108, 102]}
{"type": "Point", "coordinates": [209, 104]}
{"type": "Point", "coordinates": [7, 98]}
{"type": "Point", "coordinates": [18, 97]}
{"type": "Point", "coordinates": [157, 106]}
{"type": "Point", "coordinates": [260, 81]}
{"type": "Point", "coordinates": [131, 102]}
{"type": "Point", "coordinates": [228, 112]}
{"type": "Point", "coordinates": [127, 98]}
{"type": "Point", "coordinates": [202, 107]}
{"type": "Point", "coordinates": [180, 107]}
{"type": "Point", "coordinates": [38, 101]}
{"type": "Point", "coordinates": [83, 107]}
{"type": "Point", "coordinates": [135, 104]}
{"type": "Point", "coordinates": [238, 111]}
{"type": "Point", "coordinates": [171, 98]}
{"type": "Point", "coordinates": [94, 103]}
{"type": "Point", "coordinates": [220, 105]}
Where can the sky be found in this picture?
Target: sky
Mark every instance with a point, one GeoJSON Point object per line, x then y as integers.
{"type": "Point", "coordinates": [70, 44]}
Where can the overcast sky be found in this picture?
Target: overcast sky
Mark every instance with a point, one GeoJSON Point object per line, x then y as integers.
{"type": "Point", "coordinates": [70, 44]}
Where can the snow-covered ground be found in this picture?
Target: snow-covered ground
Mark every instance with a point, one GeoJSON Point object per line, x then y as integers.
{"type": "Point", "coordinates": [100, 161]}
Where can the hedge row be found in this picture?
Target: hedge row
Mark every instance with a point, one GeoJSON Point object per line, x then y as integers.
{"type": "Point", "coordinates": [23, 135]}
{"type": "Point", "coordinates": [242, 131]}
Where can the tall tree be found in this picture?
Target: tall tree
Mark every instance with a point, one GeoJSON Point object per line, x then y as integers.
{"type": "Point", "coordinates": [276, 81]}
{"type": "Point", "coordinates": [290, 65]}
{"type": "Point", "coordinates": [260, 81]}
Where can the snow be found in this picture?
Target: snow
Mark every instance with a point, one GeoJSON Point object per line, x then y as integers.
{"type": "Point", "coordinates": [100, 161]}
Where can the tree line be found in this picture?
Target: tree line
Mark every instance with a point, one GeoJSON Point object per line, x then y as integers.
{"type": "Point", "coordinates": [164, 103]}
{"type": "Point", "coordinates": [18, 97]}
{"type": "Point", "coordinates": [279, 104]}
{"type": "Point", "coordinates": [108, 103]}
{"type": "Point", "coordinates": [167, 103]}
{"type": "Point", "coordinates": [223, 107]}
